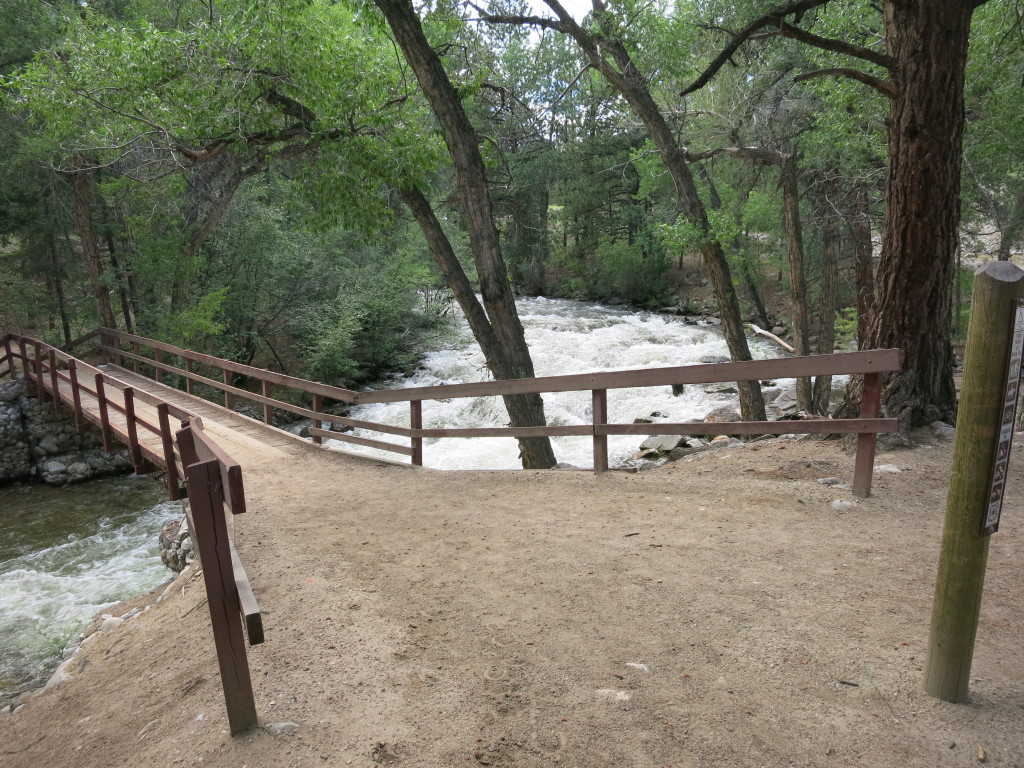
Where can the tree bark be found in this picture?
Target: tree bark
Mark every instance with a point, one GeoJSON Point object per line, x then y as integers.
{"type": "Point", "coordinates": [860, 230]}
{"type": "Point", "coordinates": [928, 42]}
{"type": "Point", "coordinates": [797, 272]}
{"type": "Point", "coordinates": [829, 301]}
{"type": "Point", "coordinates": [514, 361]}
{"type": "Point", "coordinates": [84, 189]}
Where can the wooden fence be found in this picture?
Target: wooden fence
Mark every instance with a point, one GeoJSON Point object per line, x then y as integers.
{"type": "Point", "coordinates": [160, 361]}
{"type": "Point", "coordinates": [213, 484]}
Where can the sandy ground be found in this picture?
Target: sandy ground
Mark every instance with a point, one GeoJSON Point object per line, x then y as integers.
{"type": "Point", "coordinates": [715, 612]}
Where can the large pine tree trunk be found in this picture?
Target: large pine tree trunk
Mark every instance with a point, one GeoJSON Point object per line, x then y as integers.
{"type": "Point", "coordinates": [928, 41]}
{"type": "Point", "coordinates": [512, 360]}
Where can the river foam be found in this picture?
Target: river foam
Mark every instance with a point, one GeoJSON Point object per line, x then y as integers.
{"type": "Point", "coordinates": [565, 337]}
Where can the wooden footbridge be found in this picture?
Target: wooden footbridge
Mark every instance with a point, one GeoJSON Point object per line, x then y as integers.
{"type": "Point", "coordinates": [156, 399]}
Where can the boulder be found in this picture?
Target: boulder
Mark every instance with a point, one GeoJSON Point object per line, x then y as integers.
{"type": "Point", "coordinates": [661, 443]}
{"type": "Point", "coordinates": [722, 415]}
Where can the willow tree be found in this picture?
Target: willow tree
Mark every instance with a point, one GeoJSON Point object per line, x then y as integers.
{"type": "Point", "coordinates": [496, 325]}
{"type": "Point", "coordinates": [604, 44]}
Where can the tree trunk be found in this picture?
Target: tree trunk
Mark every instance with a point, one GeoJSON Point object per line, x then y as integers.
{"type": "Point", "coordinates": [860, 229]}
{"type": "Point", "coordinates": [462, 140]}
{"type": "Point", "coordinates": [83, 186]}
{"type": "Point", "coordinates": [829, 302]}
{"type": "Point", "coordinates": [928, 41]}
{"type": "Point", "coordinates": [632, 84]}
{"type": "Point", "coordinates": [797, 273]}
{"type": "Point", "coordinates": [1013, 231]}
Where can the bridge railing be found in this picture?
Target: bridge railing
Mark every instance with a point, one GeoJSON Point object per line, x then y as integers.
{"type": "Point", "coordinates": [871, 364]}
{"type": "Point", "coordinates": [213, 486]}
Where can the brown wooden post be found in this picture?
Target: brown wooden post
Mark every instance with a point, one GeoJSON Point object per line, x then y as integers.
{"type": "Point", "coordinates": [318, 407]}
{"type": "Point", "coordinates": [101, 400]}
{"type": "Point", "coordinates": [980, 419]}
{"type": "Point", "coordinates": [30, 387]}
{"type": "Point", "coordinates": [158, 372]}
{"type": "Point", "coordinates": [54, 380]}
{"type": "Point", "coordinates": [133, 430]}
{"type": "Point", "coordinates": [76, 395]}
{"type": "Point", "coordinates": [599, 399]}
{"type": "Point", "coordinates": [188, 381]}
{"type": "Point", "coordinates": [137, 349]}
{"type": "Point", "coordinates": [167, 438]}
{"type": "Point", "coordinates": [229, 399]}
{"type": "Point", "coordinates": [268, 410]}
{"type": "Point", "coordinates": [206, 500]}
{"type": "Point", "coordinates": [40, 381]}
{"type": "Point", "coordinates": [10, 357]}
{"type": "Point", "coordinates": [416, 422]}
{"type": "Point", "coordinates": [864, 465]}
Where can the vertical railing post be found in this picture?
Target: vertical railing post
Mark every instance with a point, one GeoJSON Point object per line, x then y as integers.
{"type": "Point", "coordinates": [30, 387]}
{"type": "Point", "coordinates": [318, 407]}
{"type": "Point", "coordinates": [416, 422]}
{"type": "Point", "coordinates": [133, 430]}
{"type": "Point", "coordinates": [54, 380]}
{"type": "Point", "coordinates": [599, 399]}
{"type": "Point", "coordinates": [864, 464]}
{"type": "Point", "coordinates": [984, 428]}
{"type": "Point", "coordinates": [137, 349]}
{"type": "Point", "coordinates": [167, 438]}
{"type": "Point", "coordinates": [267, 390]}
{"type": "Point", "coordinates": [205, 494]}
{"type": "Point", "coordinates": [158, 372]}
{"type": "Point", "coordinates": [101, 401]}
{"type": "Point", "coordinates": [188, 379]}
{"type": "Point", "coordinates": [76, 395]}
{"type": "Point", "coordinates": [40, 383]}
{"type": "Point", "coordinates": [229, 399]}
{"type": "Point", "coordinates": [10, 358]}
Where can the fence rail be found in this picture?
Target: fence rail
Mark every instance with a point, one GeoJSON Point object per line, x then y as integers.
{"type": "Point", "coordinates": [165, 359]}
{"type": "Point", "coordinates": [213, 486]}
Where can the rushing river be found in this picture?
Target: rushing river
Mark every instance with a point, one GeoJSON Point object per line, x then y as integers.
{"type": "Point", "coordinates": [565, 337]}
{"type": "Point", "coordinates": [65, 554]}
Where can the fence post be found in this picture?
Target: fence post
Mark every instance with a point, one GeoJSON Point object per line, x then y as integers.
{"type": "Point", "coordinates": [76, 395]}
{"type": "Point", "coordinates": [416, 422]}
{"type": "Point", "coordinates": [964, 553]}
{"type": "Point", "coordinates": [167, 438]}
{"type": "Point", "coordinates": [205, 499]}
{"type": "Point", "coordinates": [268, 410]}
{"type": "Point", "coordinates": [26, 369]}
{"type": "Point", "coordinates": [54, 380]}
{"type": "Point", "coordinates": [133, 429]}
{"type": "Point", "coordinates": [229, 399]}
{"type": "Point", "coordinates": [318, 407]}
{"type": "Point", "coordinates": [870, 408]}
{"type": "Point", "coordinates": [40, 384]}
{"type": "Point", "coordinates": [189, 385]}
{"type": "Point", "coordinates": [10, 358]}
{"type": "Point", "coordinates": [101, 401]}
{"type": "Point", "coordinates": [158, 372]}
{"type": "Point", "coordinates": [599, 399]}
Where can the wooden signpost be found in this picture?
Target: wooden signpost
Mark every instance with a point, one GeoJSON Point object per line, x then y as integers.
{"type": "Point", "coordinates": [984, 431]}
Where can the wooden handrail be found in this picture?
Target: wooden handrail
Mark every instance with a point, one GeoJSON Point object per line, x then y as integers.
{"type": "Point", "coordinates": [214, 483]}
{"type": "Point", "coordinates": [870, 363]}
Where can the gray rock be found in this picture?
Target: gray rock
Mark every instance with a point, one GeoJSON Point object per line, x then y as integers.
{"type": "Point", "coordinates": [707, 359]}
{"type": "Point", "coordinates": [661, 443]}
{"type": "Point", "coordinates": [564, 465]}
{"type": "Point", "coordinates": [828, 480]}
{"type": "Point", "coordinates": [278, 729]}
{"type": "Point", "coordinates": [942, 430]}
{"type": "Point", "coordinates": [843, 505]}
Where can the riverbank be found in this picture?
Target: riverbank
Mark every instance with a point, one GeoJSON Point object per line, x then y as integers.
{"type": "Point", "coordinates": [718, 611]}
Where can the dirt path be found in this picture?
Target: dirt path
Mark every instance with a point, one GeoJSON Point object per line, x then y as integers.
{"type": "Point", "coordinates": [716, 612]}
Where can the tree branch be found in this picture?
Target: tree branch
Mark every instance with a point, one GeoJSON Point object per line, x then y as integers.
{"type": "Point", "coordinates": [775, 16]}
{"type": "Point", "coordinates": [884, 87]}
{"type": "Point", "coordinates": [828, 44]}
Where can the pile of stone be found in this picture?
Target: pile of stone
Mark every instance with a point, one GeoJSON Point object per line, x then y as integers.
{"type": "Point", "coordinates": [37, 442]}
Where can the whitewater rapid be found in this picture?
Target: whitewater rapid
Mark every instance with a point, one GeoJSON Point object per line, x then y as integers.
{"type": "Point", "coordinates": [565, 337]}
